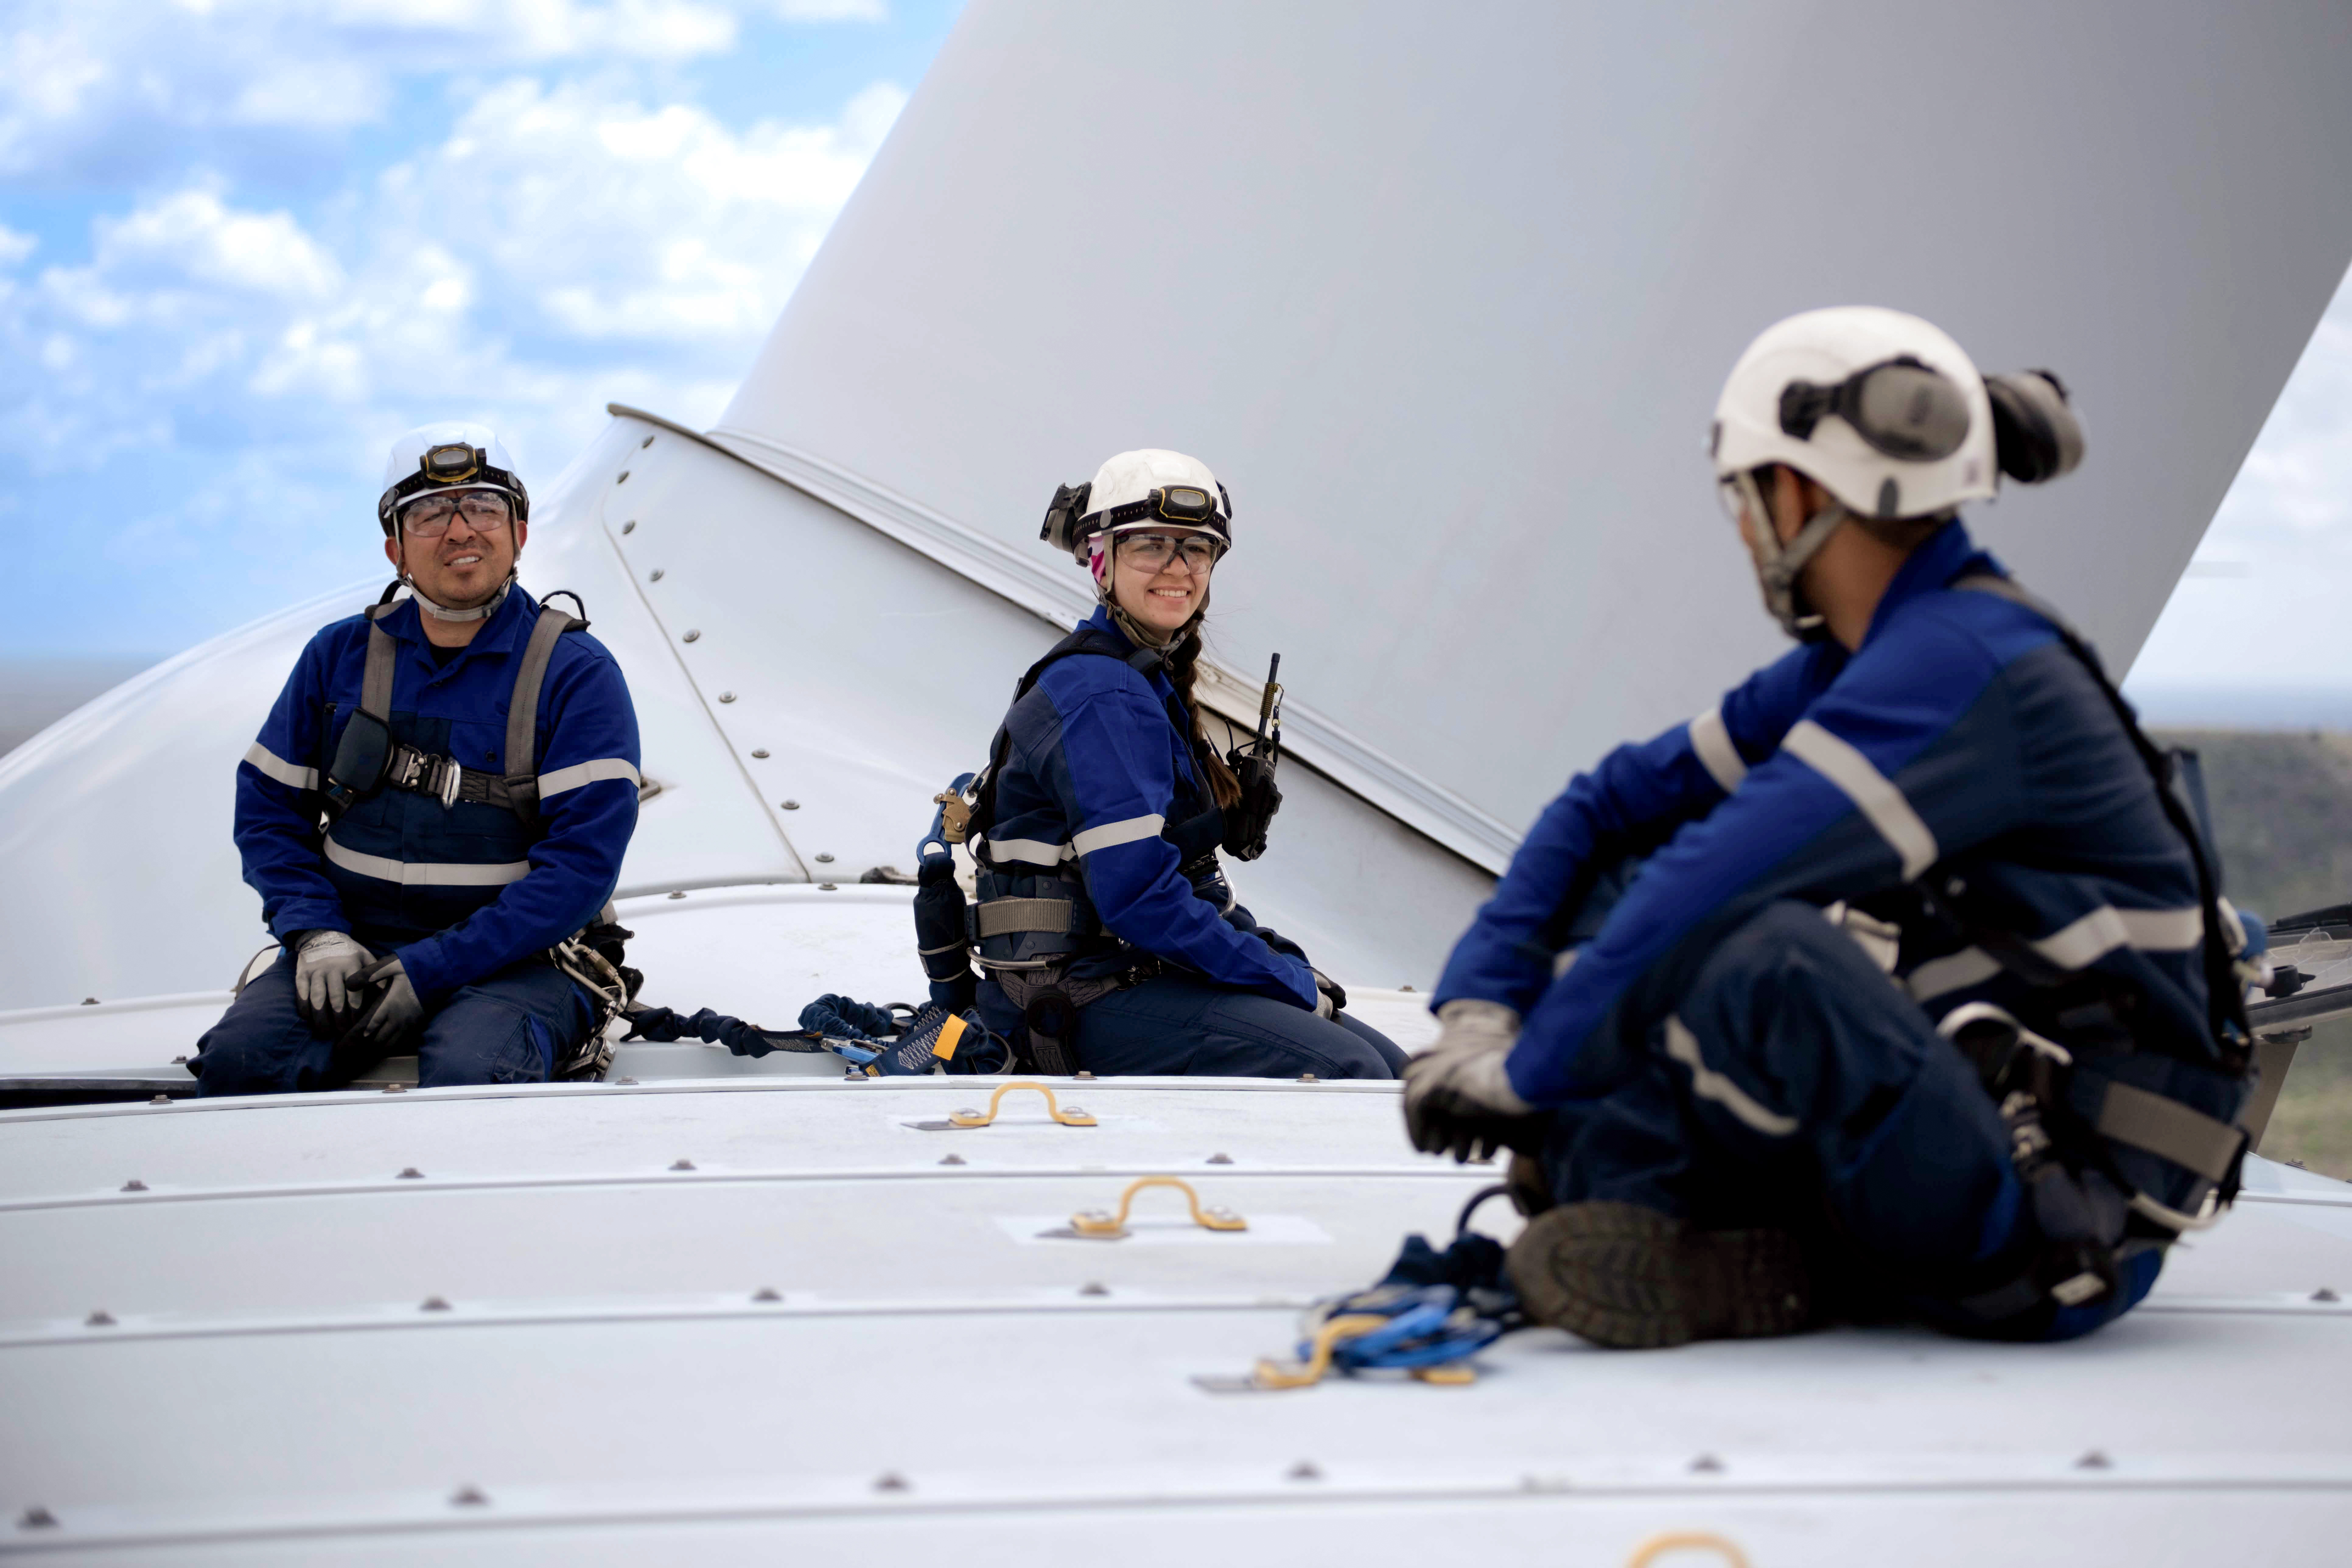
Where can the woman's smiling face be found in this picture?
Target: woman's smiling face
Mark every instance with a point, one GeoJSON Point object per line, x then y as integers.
{"type": "Point", "coordinates": [1160, 577]}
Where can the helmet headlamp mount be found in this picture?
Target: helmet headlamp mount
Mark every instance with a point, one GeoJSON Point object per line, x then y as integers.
{"type": "Point", "coordinates": [453, 464]}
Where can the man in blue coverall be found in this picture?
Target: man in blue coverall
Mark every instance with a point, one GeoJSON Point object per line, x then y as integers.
{"type": "Point", "coordinates": [459, 847]}
{"type": "Point", "coordinates": [1892, 983]}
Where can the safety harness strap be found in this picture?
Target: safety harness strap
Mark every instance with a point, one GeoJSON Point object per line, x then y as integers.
{"type": "Point", "coordinates": [445, 778]}
{"type": "Point", "coordinates": [1086, 639]}
{"type": "Point", "coordinates": [522, 711]}
{"type": "Point", "coordinates": [1002, 917]}
{"type": "Point", "coordinates": [383, 656]}
{"type": "Point", "coordinates": [2171, 1131]}
{"type": "Point", "coordinates": [2225, 1005]}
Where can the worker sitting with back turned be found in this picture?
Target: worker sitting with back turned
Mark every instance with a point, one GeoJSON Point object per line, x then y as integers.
{"type": "Point", "coordinates": [440, 797]}
{"type": "Point", "coordinates": [1107, 931]}
{"type": "Point", "coordinates": [1896, 983]}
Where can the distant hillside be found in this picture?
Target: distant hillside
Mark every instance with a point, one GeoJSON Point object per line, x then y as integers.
{"type": "Point", "coordinates": [2282, 814]}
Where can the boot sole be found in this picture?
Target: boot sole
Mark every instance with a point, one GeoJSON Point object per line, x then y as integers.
{"type": "Point", "coordinates": [1631, 1279]}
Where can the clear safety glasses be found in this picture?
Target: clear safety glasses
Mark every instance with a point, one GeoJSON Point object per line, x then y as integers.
{"type": "Point", "coordinates": [1153, 552]}
{"type": "Point", "coordinates": [428, 517]}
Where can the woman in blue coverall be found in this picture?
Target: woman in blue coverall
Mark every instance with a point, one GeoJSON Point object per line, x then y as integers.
{"type": "Point", "coordinates": [1110, 938]}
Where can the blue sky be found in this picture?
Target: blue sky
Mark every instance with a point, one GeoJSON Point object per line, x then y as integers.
{"type": "Point", "coordinates": [244, 242]}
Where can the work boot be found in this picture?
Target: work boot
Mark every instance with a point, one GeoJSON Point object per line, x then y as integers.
{"type": "Point", "coordinates": [1633, 1278]}
{"type": "Point", "coordinates": [1528, 1188]}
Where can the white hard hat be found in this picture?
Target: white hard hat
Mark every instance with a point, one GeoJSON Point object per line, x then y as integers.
{"type": "Point", "coordinates": [1881, 409]}
{"type": "Point", "coordinates": [452, 456]}
{"type": "Point", "coordinates": [1148, 486]}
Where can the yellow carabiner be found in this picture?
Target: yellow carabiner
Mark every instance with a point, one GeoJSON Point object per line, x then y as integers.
{"type": "Point", "coordinates": [1073, 1116]}
{"type": "Point", "coordinates": [1658, 1545]}
{"type": "Point", "coordinates": [1105, 1225]}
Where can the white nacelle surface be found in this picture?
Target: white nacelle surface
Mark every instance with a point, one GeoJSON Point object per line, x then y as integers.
{"type": "Point", "coordinates": [771, 1320]}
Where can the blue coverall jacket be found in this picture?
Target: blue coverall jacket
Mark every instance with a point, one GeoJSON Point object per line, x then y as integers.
{"type": "Point", "coordinates": [1963, 746]}
{"type": "Point", "coordinates": [461, 891]}
{"type": "Point", "coordinates": [1098, 767]}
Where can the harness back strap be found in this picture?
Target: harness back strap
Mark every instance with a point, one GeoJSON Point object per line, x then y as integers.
{"type": "Point", "coordinates": [2225, 1005]}
{"type": "Point", "coordinates": [2170, 1131]}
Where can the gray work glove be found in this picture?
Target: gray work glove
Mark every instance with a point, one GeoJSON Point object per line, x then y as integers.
{"type": "Point", "coordinates": [398, 1014]}
{"type": "Point", "coordinates": [324, 963]}
{"type": "Point", "coordinates": [1458, 1099]}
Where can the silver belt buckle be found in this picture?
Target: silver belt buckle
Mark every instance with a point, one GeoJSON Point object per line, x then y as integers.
{"type": "Point", "coordinates": [452, 776]}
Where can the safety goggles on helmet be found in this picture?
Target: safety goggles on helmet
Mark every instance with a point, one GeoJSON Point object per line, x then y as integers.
{"type": "Point", "coordinates": [448, 465]}
{"type": "Point", "coordinates": [1068, 522]}
{"type": "Point", "coordinates": [1899, 407]}
{"type": "Point", "coordinates": [429, 515]}
{"type": "Point", "coordinates": [1198, 553]}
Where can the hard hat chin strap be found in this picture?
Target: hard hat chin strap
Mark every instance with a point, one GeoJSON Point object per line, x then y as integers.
{"type": "Point", "coordinates": [1779, 566]}
{"type": "Point", "coordinates": [443, 613]}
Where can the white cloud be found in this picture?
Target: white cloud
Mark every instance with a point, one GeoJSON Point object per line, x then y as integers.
{"type": "Point", "coordinates": [833, 10]}
{"type": "Point", "coordinates": [116, 87]}
{"type": "Point", "coordinates": [562, 245]}
{"type": "Point", "coordinates": [2263, 605]}
{"type": "Point", "coordinates": [15, 247]}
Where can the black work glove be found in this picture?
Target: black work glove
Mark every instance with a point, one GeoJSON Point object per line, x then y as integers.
{"type": "Point", "coordinates": [1333, 991]}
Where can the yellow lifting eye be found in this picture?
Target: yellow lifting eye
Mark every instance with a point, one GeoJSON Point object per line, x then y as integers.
{"type": "Point", "coordinates": [1105, 1225]}
{"type": "Point", "coordinates": [1073, 1116]}
{"type": "Point", "coordinates": [1657, 1546]}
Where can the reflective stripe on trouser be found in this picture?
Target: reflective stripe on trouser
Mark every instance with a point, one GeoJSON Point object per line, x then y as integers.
{"type": "Point", "coordinates": [1794, 1079]}
{"type": "Point", "coordinates": [512, 1026]}
{"type": "Point", "coordinates": [1788, 1034]}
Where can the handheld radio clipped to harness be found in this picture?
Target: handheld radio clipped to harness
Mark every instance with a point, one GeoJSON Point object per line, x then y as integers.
{"type": "Point", "coordinates": [1253, 764]}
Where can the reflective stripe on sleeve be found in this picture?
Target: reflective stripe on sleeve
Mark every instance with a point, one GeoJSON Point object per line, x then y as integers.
{"type": "Point", "coordinates": [1112, 834]}
{"type": "Point", "coordinates": [271, 765]}
{"type": "Point", "coordinates": [1872, 792]}
{"type": "Point", "coordinates": [2076, 945]}
{"type": "Point", "coordinates": [1028, 850]}
{"type": "Point", "coordinates": [580, 774]}
{"type": "Point", "coordinates": [1708, 1084]}
{"type": "Point", "coordinates": [1717, 755]}
{"type": "Point", "coordinates": [2087, 940]}
{"type": "Point", "coordinates": [427, 874]}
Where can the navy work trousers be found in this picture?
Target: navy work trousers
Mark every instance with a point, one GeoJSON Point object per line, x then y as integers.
{"type": "Point", "coordinates": [1173, 1025]}
{"type": "Point", "coordinates": [512, 1026]}
{"type": "Point", "coordinates": [1795, 1087]}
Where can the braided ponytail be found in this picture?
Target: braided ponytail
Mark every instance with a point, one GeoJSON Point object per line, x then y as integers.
{"type": "Point", "coordinates": [1183, 669]}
